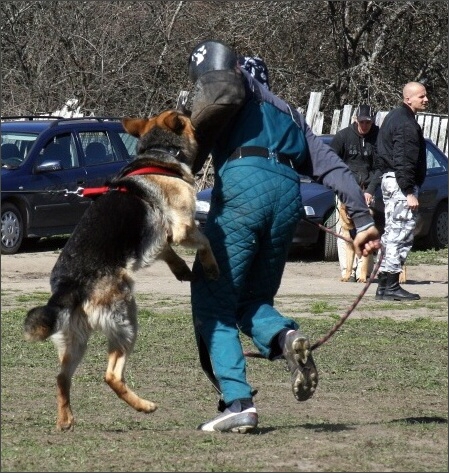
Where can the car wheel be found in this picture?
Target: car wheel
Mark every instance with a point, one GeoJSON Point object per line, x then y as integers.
{"type": "Point", "coordinates": [12, 229]}
{"type": "Point", "coordinates": [328, 240]}
{"type": "Point", "coordinates": [438, 228]}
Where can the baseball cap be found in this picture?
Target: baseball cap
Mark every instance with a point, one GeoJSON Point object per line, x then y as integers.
{"type": "Point", "coordinates": [364, 112]}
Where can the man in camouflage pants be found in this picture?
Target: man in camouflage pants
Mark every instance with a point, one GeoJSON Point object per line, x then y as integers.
{"type": "Point", "coordinates": [402, 162]}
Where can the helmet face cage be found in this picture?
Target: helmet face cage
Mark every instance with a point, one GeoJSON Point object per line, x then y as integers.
{"type": "Point", "coordinates": [210, 56]}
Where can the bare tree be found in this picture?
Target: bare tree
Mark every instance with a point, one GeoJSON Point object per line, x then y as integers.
{"type": "Point", "coordinates": [130, 58]}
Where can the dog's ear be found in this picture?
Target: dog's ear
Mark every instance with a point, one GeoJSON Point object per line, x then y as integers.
{"type": "Point", "coordinates": [175, 121]}
{"type": "Point", "coordinates": [135, 126]}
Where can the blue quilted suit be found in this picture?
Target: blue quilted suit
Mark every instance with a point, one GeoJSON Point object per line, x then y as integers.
{"type": "Point", "coordinates": [256, 204]}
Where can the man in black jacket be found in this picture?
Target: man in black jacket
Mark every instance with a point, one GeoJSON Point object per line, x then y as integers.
{"type": "Point", "coordinates": [402, 161]}
{"type": "Point", "coordinates": [356, 146]}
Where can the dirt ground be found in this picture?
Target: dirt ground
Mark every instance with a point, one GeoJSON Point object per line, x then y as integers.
{"type": "Point", "coordinates": [30, 272]}
{"type": "Point", "coordinates": [340, 429]}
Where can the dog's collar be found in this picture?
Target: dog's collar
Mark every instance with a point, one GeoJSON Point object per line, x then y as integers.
{"type": "Point", "coordinates": [155, 170]}
{"type": "Point", "coordinates": [94, 191]}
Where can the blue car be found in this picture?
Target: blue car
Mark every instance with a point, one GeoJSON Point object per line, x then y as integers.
{"type": "Point", "coordinates": [319, 204]}
{"type": "Point", "coordinates": [43, 163]}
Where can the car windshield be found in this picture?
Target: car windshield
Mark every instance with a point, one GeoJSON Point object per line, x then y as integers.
{"type": "Point", "coordinates": [15, 147]}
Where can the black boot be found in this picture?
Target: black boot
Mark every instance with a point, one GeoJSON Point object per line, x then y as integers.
{"type": "Point", "coordinates": [394, 292]}
{"type": "Point", "coordinates": [381, 283]}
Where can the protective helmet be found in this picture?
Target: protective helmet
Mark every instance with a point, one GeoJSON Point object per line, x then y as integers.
{"type": "Point", "coordinates": [210, 55]}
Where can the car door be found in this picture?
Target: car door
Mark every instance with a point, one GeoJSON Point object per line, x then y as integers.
{"type": "Point", "coordinates": [54, 207]}
{"type": "Point", "coordinates": [101, 155]}
{"type": "Point", "coordinates": [434, 188]}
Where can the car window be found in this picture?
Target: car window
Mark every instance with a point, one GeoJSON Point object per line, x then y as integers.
{"type": "Point", "coordinates": [15, 146]}
{"type": "Point", "coordinates": [60, 148]}
{"type": "Point", "coordinates": [130, 143]}
{"type": "Point", "coordinates": [435, 164]}
{"type": "Point", "coordinates": [97, 148]}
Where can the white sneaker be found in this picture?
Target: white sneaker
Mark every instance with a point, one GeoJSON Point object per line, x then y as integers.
{"type": "Point", "coordinates": [233, 419]}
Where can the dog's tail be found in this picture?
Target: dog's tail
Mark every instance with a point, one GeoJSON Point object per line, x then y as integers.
{"type": "Point", "coordinates": [40, 322]}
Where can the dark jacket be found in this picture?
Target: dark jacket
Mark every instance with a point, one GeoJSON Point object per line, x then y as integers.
{"type": "Point", "coordinates": [358, 152]}
{"type": "Point", "coordinates": [401, 148]}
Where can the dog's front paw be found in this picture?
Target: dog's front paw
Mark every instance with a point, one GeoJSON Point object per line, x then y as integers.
{"type": "Point", "coordinates": [184, 274]}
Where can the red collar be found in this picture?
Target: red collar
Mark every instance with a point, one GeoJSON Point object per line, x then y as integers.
{"type": "Point", "coordinates": [93, 191]}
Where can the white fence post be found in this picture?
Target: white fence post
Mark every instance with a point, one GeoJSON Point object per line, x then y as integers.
{"type": "Point", "coordinates": [335, 122]}
{"type": "Point", "coordinates": [313, 118]}
{"type": "Point", "coordinates": [346, 118]}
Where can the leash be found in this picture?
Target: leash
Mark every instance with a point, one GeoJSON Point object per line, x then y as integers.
{"type": "Point", "coordinates": [348, 312]}
{"type": "Point", "coordinates": [93, 191]}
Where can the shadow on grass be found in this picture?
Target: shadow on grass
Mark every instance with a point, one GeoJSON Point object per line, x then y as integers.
{"type": "Point", "coordinates": [346, 427]}
{"type": "Point", "coordinates": [420, 420]}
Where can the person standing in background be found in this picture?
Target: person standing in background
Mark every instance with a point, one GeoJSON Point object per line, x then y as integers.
{"type": "Point", "coordinates": [356, 146]}
{"type": "Point", "coordinates": [402, 161]}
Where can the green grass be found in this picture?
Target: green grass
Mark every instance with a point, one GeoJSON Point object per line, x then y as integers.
{"type": "Point", "coordinates": [381, 404]}
{"type": "Point", "coordinates": [416, 257]}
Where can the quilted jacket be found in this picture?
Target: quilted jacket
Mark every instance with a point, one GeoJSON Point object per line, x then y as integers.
{"type": "Point", "coordinates": [248, 114]}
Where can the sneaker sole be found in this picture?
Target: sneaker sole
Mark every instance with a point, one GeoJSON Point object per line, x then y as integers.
{"type": "Point", "coordinates": [243, 429]}
{"type": "Point", "coordinates": [240, 423]}
{"type": "Point", "coordinates": [305, 378]}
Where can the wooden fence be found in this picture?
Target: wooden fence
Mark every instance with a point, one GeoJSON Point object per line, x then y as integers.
{"type": "Point", "coordinates": [434, 126]}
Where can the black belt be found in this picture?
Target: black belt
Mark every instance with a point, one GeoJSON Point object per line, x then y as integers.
{"type": "Point", "coordinates": [245, 151]}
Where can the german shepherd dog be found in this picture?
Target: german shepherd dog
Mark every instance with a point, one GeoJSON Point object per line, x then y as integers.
{"type": "Point", "coordinates": [366, 262]}
{"type": "Point", "coordinates": [148, 208]}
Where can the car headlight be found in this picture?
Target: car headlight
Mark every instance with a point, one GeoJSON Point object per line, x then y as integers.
{"type": "Point", "coordinates": [310, 212]}
{"type": "Point", "coordinates": [202, 206]}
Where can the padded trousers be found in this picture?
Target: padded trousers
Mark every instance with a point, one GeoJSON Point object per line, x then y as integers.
{"type": "Point", "coordinates": [256, 205]}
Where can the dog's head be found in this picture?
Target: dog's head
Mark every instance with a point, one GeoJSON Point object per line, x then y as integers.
{"type": "Point", "coordinates": [170, 130]}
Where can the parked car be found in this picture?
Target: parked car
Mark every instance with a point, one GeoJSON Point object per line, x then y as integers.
{"type": "Point", "coordinates": [319, 203]}
{"type": "Point", "coordinates": [44, 157]}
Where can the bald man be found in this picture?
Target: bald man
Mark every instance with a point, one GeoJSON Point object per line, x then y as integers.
{"type": "Point", "coordinates": [402, 161]}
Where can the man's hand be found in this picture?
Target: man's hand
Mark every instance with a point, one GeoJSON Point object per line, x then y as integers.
{"type": "Point", "coordinates": [412, 202]}
{"type": "Point", "coordinates": [368, 198]}
{"type": "Point", "coordinates": [367, 242]}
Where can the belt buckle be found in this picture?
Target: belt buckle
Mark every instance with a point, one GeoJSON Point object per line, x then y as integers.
{"type": "Point", "coordinates": [273, 155]}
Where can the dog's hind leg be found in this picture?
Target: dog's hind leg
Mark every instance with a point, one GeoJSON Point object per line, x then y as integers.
{"type": "Point", "coordinates": [71, 348]}
{"type": "Point", "coordinates": [349, 261]}
{"type": "Point", "coordinates": [403, 274]}
{"type": "Point", "coordinates": [122, 336]}
{"type": "Point", "coordinates": [116, 381]}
